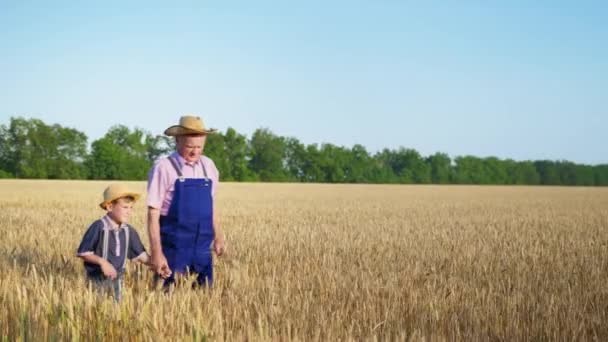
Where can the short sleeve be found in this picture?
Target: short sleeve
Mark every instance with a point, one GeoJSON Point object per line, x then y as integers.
{"type": "Point", "coordinates": [156, 187]}
{"type": "Point", "coordinates": [214, 175]}
{"type": "Point", "coordinates": [90, 240]}
{"type": "Point", "coordinates": [135, 245]}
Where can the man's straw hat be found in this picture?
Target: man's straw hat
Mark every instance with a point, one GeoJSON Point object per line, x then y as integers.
{"type": "Point", "coordinates": [189, 125]}
{"type": "Point", "coordinates": [116, 191]}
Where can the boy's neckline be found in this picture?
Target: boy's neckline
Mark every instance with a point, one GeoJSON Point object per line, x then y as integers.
{"type": "Point", "coordinates": [113, 224]}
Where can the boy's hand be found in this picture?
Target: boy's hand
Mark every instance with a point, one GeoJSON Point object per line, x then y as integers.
{"type": "Point", "coordinates": [108, 270]}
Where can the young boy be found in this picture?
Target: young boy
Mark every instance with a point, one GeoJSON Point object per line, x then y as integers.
{"type": "Point", "coordinates": [110, 241]}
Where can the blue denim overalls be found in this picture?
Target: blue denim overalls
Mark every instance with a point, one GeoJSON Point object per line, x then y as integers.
{"type": "Point", "coordinates": [187, 230]}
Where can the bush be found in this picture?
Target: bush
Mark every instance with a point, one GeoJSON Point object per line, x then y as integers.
{"type": "Point", "coordinates": [4, 174]}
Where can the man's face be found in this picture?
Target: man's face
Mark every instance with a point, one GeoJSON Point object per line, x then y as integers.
{"type": "Point", "coordinates": [190, 147]}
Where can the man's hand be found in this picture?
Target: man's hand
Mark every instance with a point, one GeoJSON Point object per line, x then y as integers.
{"type": "Point", "coordinates": [159, 264]}
{"type": "Point", "coordinates": [219, 245]}
{"type": "Point", "coordinates": [108, 270]}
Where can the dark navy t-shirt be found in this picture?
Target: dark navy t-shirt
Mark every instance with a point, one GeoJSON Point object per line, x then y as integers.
{"type": "Point", "coordinates": [93, 242]}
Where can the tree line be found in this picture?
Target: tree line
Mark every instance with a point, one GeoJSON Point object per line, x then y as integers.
{"type": "Point", "coordinates": [29, 148]}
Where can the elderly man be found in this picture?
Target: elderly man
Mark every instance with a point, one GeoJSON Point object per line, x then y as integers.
{"type": "Point", "coordinates": [181, 220]}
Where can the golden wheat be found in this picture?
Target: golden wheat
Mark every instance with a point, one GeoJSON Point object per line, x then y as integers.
{"type": "Point", "coordinates": [326, 262]}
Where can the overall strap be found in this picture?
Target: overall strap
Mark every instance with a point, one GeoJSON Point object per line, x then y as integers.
{"type": "Point", "coordinates": [204, 170]}
{"type": "Point", "coordinates": [106, 232]}
{"type": "Point", "coordinates": [126, 228]}
{"type": "Point", "coordinates": [176, 167]}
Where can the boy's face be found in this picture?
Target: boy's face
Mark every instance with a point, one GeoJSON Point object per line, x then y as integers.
{"type": "Point", "coordinates": [190, 147]}
{"type": "Point", "coordinates": [120, 211]}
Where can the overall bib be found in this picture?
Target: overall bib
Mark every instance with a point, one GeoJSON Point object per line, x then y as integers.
{"type": "Point", "coordinates": [187, 230]}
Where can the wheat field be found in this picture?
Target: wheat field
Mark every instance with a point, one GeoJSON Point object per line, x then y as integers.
{"type": "Point", "coordinates": [313, 262]}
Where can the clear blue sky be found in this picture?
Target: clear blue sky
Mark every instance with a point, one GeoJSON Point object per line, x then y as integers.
{"type": "Point", "coordinates": [512, 79]}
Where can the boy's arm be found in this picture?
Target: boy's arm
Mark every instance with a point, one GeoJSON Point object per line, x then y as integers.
{"type": "Point", "coordinates": [107, 268]}
{"type": "Point", "coordinates": [137, 251]}
{"type": "Point", "coordinates": [89, 243]}
{"type": "Point", "coordinates": [144, 258]}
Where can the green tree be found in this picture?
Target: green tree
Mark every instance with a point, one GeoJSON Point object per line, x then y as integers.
{"type": "Point", "coordinates": [120, 154]}
{"type": "Point", "coordinates": [157, 146]}
{"type": "Point", "coordinates": [468, 170]}
{"type": "Point", "coordinates": [7, 153]}
{"type": "Point", "coordinates": [358, 169]}
{"type": "Point", "coordinates": [384, 170]}
{"type": "Point", "coordinates": [29, 148]}
{"type": "Point", "coordinates": [584, 175]}
{"type": "Point", "coordinates": [236, 149]}
{"type": "Point", "coordinates": [215, 149]}
{"type": "Point", "coordinates": [601, 174]}
{"type": "Point", "coordinates": [441, 168]}
{"type": "Point", "coordinates": [312, 165]}
{"type": "Point", "coordinates": [495, 171]}
{"type": "Point", "coordinates": [295, 159]}
{"type": "Point", "coordinates": [332, 161]}
{"type": "Point", "coordinates": [408, 166]}
{"type": "Point", "coordinates": [521, 172]}
{"type": "Point", "coordinates": [267, 155]}
{"type": "Point", "coordinates": [33, 149]}
{"type": "Point", "coordinates": [548, 172]}
{"type": "Point", "coordinates": [380, 171]}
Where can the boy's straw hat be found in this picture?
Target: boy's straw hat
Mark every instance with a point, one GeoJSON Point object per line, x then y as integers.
{"type": "Point", "coordinates": [116, 191]}
{"type": "Point", "coordinates": [189, 125]}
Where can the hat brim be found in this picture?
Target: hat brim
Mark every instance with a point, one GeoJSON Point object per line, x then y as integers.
{"type": "Point", "coordinates": [181, 130]}
{"type": "Point", "coordinates": [103, 205]}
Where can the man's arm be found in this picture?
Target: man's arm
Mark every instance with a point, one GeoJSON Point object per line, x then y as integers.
{"type": "Point", "coordinates": [154, 230]}
{"type": "Point", "coordinates": [218, 242]}
{"type": "Point", "coordinates": [157, 259]}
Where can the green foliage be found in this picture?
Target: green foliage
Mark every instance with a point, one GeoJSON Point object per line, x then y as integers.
{"type": "Point", "coordinates": [312, 165]}
{"type": "Point", "coordinates": [601, 174]}
{"type": "Point", "coordinates": [469, 170]}
{"type": "Point", "coordinates": [295, 160]}
{"type": "Point", "coordinates": [122, 154]}
{"type": "Point", "coordinates": [215, 149]}
{"type": "Point", "coordinates": [358, 169]}
{"type": "Point", "coordinates": [237, 152]}
{"type": "Point", "coordinates": [441, 168]}
{"type": "Point", "coordinates": [4, 174]}
{"type": "Point", "coordinates": [548, 171]}
{"type": "Point", "coordinates": [521, 172]}
{"type": "Point", "coordinates": [33, 149]}
{"type": "Point", "coordinates": [267, 154]}
{"type": "Point", "coordinates": [407, 165]}
{"type": "Point", "coordinates": [230, 153]}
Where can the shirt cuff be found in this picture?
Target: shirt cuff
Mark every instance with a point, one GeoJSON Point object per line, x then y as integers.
{"type": "Point", "coordinates": [143, 257]}
{"type": "Point", "coordinates": [84, 253]}
{"type": "Point", "coordinates": [154, 204]}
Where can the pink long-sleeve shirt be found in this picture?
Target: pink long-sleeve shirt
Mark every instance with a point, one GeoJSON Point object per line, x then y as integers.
{"type": "Point", "coordinates": [162, 176]}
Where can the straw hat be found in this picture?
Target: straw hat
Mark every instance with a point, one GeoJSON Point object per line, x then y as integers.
{"type": "Point", "coordinates": [116, 191]}
{"type": "Point", "coordinates": [189, 125]}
